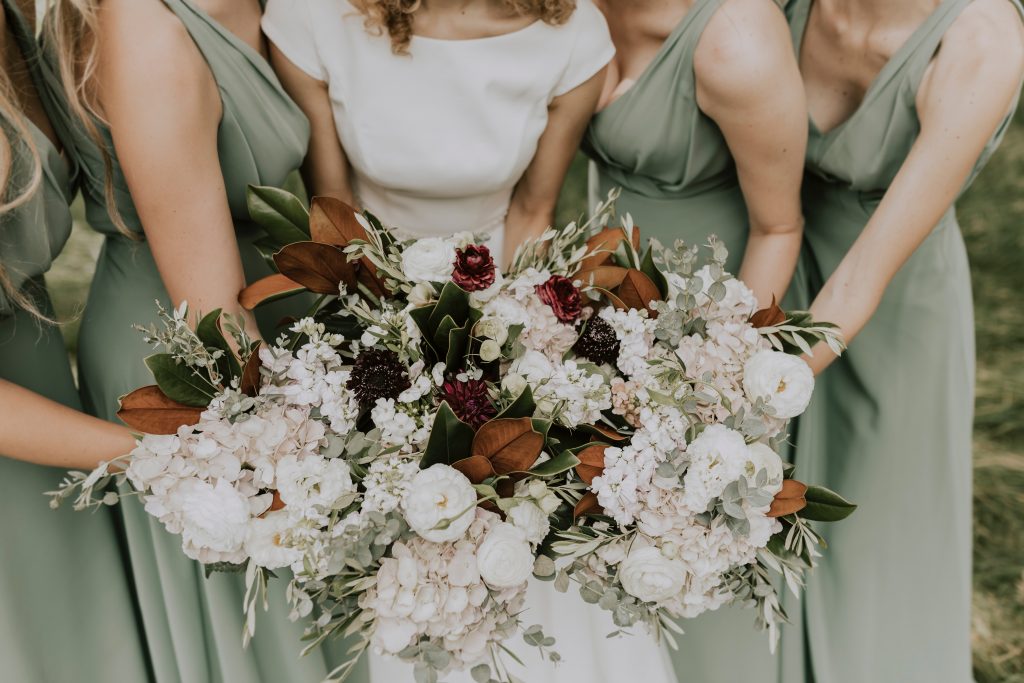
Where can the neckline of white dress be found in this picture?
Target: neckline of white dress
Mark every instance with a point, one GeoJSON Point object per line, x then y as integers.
{"type": "Point", "coordinates": [456, 41]}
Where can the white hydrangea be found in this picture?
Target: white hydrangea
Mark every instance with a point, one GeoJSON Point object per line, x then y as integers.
{"type": "Point", "coordinates": [717, 458]}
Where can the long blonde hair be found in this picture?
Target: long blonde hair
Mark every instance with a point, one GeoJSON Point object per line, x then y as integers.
{"type": "Point", "coordinates": [395, 16]}
{"type": "Point", "coordinates": [15, 140]}
{"type": "Point", "coordinates": [72, 28]}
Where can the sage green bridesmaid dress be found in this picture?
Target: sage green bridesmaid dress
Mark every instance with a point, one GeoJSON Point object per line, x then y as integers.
{"type": "Point", "coordinates": [66, 609]}
{"type": "Point", "coordinates": [670, 160]}
{"type": "Point", "coordinates": [193, 624]}
{"type": "Point", "coordinates": [890, 422]}
{"type": "Point", "coordinates": [678, 181]}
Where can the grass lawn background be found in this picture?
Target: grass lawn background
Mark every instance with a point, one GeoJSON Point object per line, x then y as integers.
{"type": "Point", "coordinates": [992, 216]}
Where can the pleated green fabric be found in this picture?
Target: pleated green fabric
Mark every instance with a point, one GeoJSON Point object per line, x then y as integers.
{"type": "Point", "coordinates": [670, 160]}
{"type": "Point", "coordinates": [193, 624]}
{"type": "Point", "coordinates": [678, 181]}
{"type": "Point", "coordinates": [66, 608]}
{"type": "Point", "coordinates": [890, 422]}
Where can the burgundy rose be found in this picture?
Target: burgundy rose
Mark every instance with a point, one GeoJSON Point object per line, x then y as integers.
{"type": "Point", "coordinates": [474, 268]}
{"type": "Point", "coordinates": [469, 401]}
{"type": "Point", "coordinates": [562, 296]}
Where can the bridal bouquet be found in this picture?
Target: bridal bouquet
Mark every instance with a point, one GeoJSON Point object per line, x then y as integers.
{"type": "Point", "coordinates": [435, 431]}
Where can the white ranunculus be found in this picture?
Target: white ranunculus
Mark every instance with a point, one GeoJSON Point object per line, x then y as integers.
{"type": "Point", "coordinates": [214, 517]}
{"type": "Point", "coordinates": [429, 259]}
{"type": "Point", "coordinates": [649, 576]}
{"type": "Point", "coordinates": [762, 457]}
{"type": "Point", "coordinates": [491, 327]}
{"type": "Point", "coordinates": [504, 557]}
{"type": "Point", "coordinates": [785, 381]}
{"type": "Point", "coordinates": [263, 541]}
{"type": "Point", "coordinates": [489, 350]}
{"type": "Point", "coordinates": [531, 520]}
{"type": "Point", "coordinates": [437, 494]}
{"type": "Point", "coordinates": [534, 366]}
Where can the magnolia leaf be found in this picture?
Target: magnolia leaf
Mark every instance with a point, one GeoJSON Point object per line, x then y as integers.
{"type": "Point", "coordinates": [824, 505]}
{"type": "Point", "coordinates": [149, 410]}
{"type": "Point", "coordinates": [332, 221]}
{"type": "Point", "coordinates": [591, 462]}
{"type": "Point", "coordinates": [790, 499]}
{"type": "Point", "coordinates": [477, 468]}
{"type": "Point", "coordinates": [604, 243]}
{"type": "Point", "coordinates": [179, 382]}
{"type": "Point", "coordinates": [588, 503]}
{"type": "Point", "coordinates": [251, 380]}
{"type": "Point", "coordinates": [637, 291]}
{"type": "Point", "coordinates": [211, 333]}
{"type": "Point", "coordinates": [276, 503]}
{"type": "Point", "coordinates": [453, 302]}
{"type": "Point", "coordinates": [451, 439]}
{"type": "Point", "coordinates": [613, 298]}
{"type": "Point", "coordinates": [265, 290]}
{"type": "Point", "coordinates": [605, 277]}
{"type": "Point", "coordinates": [563, 462]}
{"type": "Point", "coordinates": [604, 432]}
{"type": "Point", "coordinates": [651, 270]}
{"type": "Point", "coordinates": [511, 445]}
{"type": "Point", "coordinates": [768, 317]}
{"type": "Point", "coordinates": [523, 406]}
{"type": "Point", "coordinates": [318, 267]}
{"type": "Point", "coordinates": [279, 212]}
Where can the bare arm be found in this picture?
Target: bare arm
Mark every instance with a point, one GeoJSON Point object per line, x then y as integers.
{"type": "Point", "coordinates": [325, 169]}
{"type": "Point", "coordinates": [164, 111]}
{"type": "Point", "coordinates": [38, 430]}
{"type": "Point", "coordinates": [533, 202]}
{"type": "Point", "coordinates": [748, 82]}
{"type": "Point", "coordinates": [965, 95]}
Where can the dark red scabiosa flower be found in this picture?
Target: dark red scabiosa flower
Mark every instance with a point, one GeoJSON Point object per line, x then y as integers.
{"type": "Point", "coordinates": [469, 401]}
{"type": "Point", "coordinates": [474, 268]}
{"type": "Point", "coordinates": [598, 343]}
{"type": "Point", "coordinates": [378, 373]}
{"type": "Point", "coordinates": [562, 296]}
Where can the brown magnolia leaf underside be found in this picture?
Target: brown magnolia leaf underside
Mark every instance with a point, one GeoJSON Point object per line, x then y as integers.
{"type": "Point", "coordinates": [768, 317]}
{"type": "Point", "coordinates": [317, 267]}
{"type": "Point", "coordinates": [608, 432]}
{"type": "Point", "coordinates": [149, 410]}
{"type": "Point", "coordinates": [250, 383]}
{"type": "Point", "coordinates": [605, 277]}
{"type": "Point", "coordinates": [790, 499]}
{"type": "Point", "coordinates": [266, 288]}
{"type": "Point", "coordinates": [638, 291]}
{"type": "Point", "coordinates": [334, 222]}
{"type": "Point", "coordinates": [476, 468]}
{"type": "Point", "coordinates": [591, 463]}
{"type": "Point", "coordinates": [588, 503]}
{"type": "Point", "coordinates": [511, 445]}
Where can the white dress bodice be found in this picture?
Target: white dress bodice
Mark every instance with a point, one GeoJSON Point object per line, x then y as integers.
{"type": "Point", "coordinates": [437, 139]}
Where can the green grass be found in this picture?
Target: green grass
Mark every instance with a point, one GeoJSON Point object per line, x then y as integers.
{"type": "Point", "coordinates": [992, 214]}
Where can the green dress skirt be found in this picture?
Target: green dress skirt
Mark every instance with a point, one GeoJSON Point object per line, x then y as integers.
{"type": "Point", "coordinates": [678, 181]}
{"type": "Point", "coordinates": [890, 422]}
{"type": "Point", "coordinates": [66, 608]}
{"type": "Point", "coordinates": [193, 624]}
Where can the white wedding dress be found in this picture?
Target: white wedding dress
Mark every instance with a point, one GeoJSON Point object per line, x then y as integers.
{"type": "Point", "coordinates": [437, 141]}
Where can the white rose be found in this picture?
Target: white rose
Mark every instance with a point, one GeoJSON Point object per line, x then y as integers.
{"type": "Point", "coordinates": [785, 381]}
{"type": "Point", "coordinates": [437, 494]}
{"type": "Point", "coordinates": [263, 541]}
{"type": "Point", "coordinates": [649, 576]}
{"type": "Point", "coordinates": [504, 557]}
{"type": "Point", "coordinates": [214, 517]}
{"type": "Point", "coordinates": [531, 520]}
{"type": "Point", "coordinates": [762, 457]}
{"type": "Point", "coordinates": [430, 259]}
{"type": "Point", "coordinates": [534, 366]}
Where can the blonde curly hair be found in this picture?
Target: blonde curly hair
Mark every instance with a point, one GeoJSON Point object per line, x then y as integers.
{"type": "Point", "coordinates": [395, 16]}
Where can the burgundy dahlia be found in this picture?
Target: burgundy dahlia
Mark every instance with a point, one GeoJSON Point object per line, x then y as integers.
{"type": "Point", "coordinates": [378, 373]}
{"type": "Point", "coordinates": [474, 268]}
{"type": "Point", "coordinates": [562, 296]}
{"type": "Point", "coordinates": [469, 401]}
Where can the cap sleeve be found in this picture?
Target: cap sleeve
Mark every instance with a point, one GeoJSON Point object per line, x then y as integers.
{"type": "Point", "coordinates": [288, 25]}
{"type": "Point", "coordinates": [592, 47]}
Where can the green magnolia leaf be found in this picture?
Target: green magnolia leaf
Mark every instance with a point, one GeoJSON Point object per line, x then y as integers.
{"type": "Point", "coordinates": [648, 268]}
{"type": "Point", "coordinates": [523, 406]}
{"type": "Point", "coordinates": [280, 213]}
{"type": "Point", "coordinates": [824, 505]}
{"type": "Point", "coordinates": [452, 303]}
{"type": "Point", "coordinates": [458, 345]}
{"type": "Point", "coordinates": [179, 382]}
{"type": "Point", "coordinates": [209, 332]}
{"type": "Point", "coordinates": [441, 340]}
{"type": "Point", "coordinates": [421, 316]}
{"type": "Point", "coordinates": [563, 462]}
{"type": "Point", "coordinates": [451, 439]}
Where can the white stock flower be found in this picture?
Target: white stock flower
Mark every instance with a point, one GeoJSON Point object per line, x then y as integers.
{"type": "Point", "coordinates": [429, 259]}
{"type": "Point", "coordinates": [504, 557]}
{"type": "Point", "coordinates": [762, 457]}
{"type": "Point", "coordinates": [437, 494]}
{"type": "Point", "coordinates": [649, 576]}
{"type": "Point", "coordinates": [784, 381]}
{"type": "Point", "coordinates": [264, 541]}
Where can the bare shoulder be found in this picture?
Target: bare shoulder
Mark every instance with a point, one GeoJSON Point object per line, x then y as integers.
{"type": "Point", "coordinates": [745, 46]}
{"type": "Point", "coordinates": [985, 45]}
{"type": "Point", "coordinates": [143, 43]}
